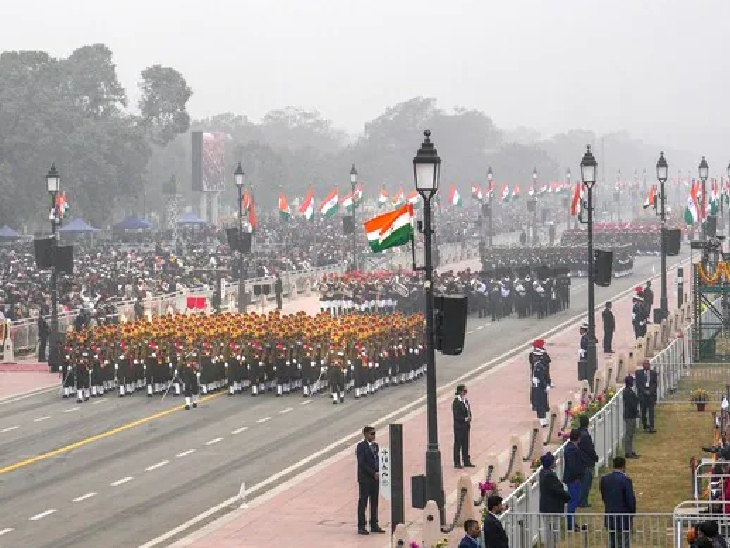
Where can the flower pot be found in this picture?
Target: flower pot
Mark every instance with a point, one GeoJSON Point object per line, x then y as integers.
{"type": "Point", "coordinates": [700, 405]}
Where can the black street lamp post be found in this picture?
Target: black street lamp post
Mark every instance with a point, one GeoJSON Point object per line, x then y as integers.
{"type": "Point", "coordinates": [353, 183]}
{"type": "Point", "coordinates": [238, 176]}
{"type": "Point", "coordinates": [704, 171]}
{"type": "Point", "coordinates": [490, 235]}
{"type": "Point", "coordinates": [588, 168]}
{"type": "Point", "coordinates": [53, 184]}
{"type": "Point", "coordinates": [662, 171]}
{"type": "Point", "coordinates": [426, 173]}
{"type": "Point", "coordinates": [534, 206]}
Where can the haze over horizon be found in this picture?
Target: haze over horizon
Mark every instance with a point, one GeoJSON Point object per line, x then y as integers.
{"type": "Point", "coordinates": [548, 66]}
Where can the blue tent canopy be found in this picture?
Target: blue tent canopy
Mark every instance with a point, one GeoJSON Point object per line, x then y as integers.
{"type": "Point", "coordinates": [8, 234]}
{"type": "Point", "coordinates": [78, 226]}
{"type": "Point", "coordinates": [133, 223]}
{"type": "Point", "coordinates": [190, 218]}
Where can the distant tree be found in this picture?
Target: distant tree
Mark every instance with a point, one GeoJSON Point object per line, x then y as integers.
{"type": "Point", "coordinates": [163, 104]}
{"type": "Point", "coordinates": [92, 81]}
{"type": "Point", "coordinates": [296, 128]}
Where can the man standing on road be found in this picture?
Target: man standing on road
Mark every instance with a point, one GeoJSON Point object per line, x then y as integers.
{"type": "Point", "coordinates": [631, 413]}
{"type": "Point", "coordinates": [648, 298]}
{"type": "Point", "coordinates": [368, 481]}
{"type": "Point", "coordinates": [617, 492]}
{"type": "Point", "coordinates": [461, 412]}
{"type": "Point", "coordinates": [609, 326]}
{"type": "Point", "coordinates": [646, 389]}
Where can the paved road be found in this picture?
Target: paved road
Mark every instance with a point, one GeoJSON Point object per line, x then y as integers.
{"type": "Point", "coordinates": [119, 472]}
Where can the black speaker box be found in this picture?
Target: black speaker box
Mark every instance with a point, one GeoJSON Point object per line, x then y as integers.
{"type": "Point", "coordinates": [544, 214]}
{"type": "Point", "coordinates": [64, 259]}
{"type": "Point", "coordinates": [266, 288]}
{"type": "Point", "coordinates": [348, 227]}
{"type": "Point", "coordinates": [257, 289]}
{"type": "Point", "coordinates": [232, 237]}
{"type": "Point", "coordinates": [531, 205]}
{"type": "Point", "coordinates": [485, 210]}
{"type": "Point", "coordinates": [43, 257]}
{"type": "Point", "coordinates": [245, 242]}
{"type": "Point", "coordinates": [450, 313]}
{"type": "Point", "coordinates": [711, 225]}
{"type": "Point", "coordinates": [602, 267]}
{"type": "Point", "coordinates": [672, 239]}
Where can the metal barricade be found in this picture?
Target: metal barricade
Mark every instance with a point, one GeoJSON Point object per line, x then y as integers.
{"type": "Point", "coordinates": [531, 529]}
{"type": "Point", "coordinates": [689, 513]}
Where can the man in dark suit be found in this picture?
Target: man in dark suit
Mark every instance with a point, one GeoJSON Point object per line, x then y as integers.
{"type": "Point", "coordinates": [646, 388]}
{"type": "Point", "coordinates": [462, 426]}
{"type": "Point", "coordinates": [494, 534]}
{"type": "Point", "coordinates": [471, 539]}
{"type": "Point", "coordinates": [631, 413]}
{"type": "Point", "coordinates": [617, 492]}
{"type": "Point", "coordinates": [609, 326]}
{"type": "Point", "coordinates": [648, 298]}
{"type": "Point", "coordinates": [588, 449]}
{"type": "Point", "coordinates": [368, 481]}
{"type": "Point", "coordinates": [574, 465]}
{"type": "Point", "coordinates": [553, 499]}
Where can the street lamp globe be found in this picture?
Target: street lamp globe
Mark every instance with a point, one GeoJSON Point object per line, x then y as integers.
{"type": "Point", "coordinates": [534, 174]}
{"type": "Point", "coordinates": [588, 167]}
{"type": "Point", "coordinates": [662, 168]}
{"type": "Point", "coordinates": [427, 166]}
{"type": "Point", "coordinates": [489, 174]}
{"type": "Point", "coordinates": [238, 175]}
{"type": "Point", "coordinates": [353, 175]}
{"type": "Point", "coordinates": [53, 180]}
{"type": "Point", "coordinates": [704, 169]}
{"type": "Point", "coordinates": [568, 175]}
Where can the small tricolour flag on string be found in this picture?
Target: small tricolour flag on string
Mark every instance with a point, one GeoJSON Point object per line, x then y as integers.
{"type": "Point", "coordinates": [390, 229]}
{"type": "Point", "coordinates": [329, 205]}
{"type": "Point", "coordinates": [307, 207]}
{"type": "Point", "coordinates": [284, 211]}
{"type": "Point", "coordinates": [454, 196]}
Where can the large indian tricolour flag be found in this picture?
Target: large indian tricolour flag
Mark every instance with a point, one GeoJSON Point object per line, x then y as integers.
{"type": "Point", "coordinates": [390, 229]}
{"type": "Point", "coordinates": [307, 207]}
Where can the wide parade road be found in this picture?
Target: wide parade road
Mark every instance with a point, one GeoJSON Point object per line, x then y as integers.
{"type": "Point", "coordinates": [122, 471]}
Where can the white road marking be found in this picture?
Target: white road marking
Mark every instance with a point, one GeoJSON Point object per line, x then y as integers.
{"type": "Point", "coordinates": [97, 402]}
{"type": "Point", "coordinates": [413, 408]}
{"type": "Point", "coordinates": [306, 402]}
{"type": "Point", "coordinates": [39, 419]}
{"type": "Point", "coordinates": [211, 442]}
{"type": "Point", "coordinates": [84, 497]}
{"type": "Point", "coordinates": [42, 515]}
{"type": "Point", "coordinates": [481, 327]}
{"type": "Point", "coordinates": [263, 420]}
{"type": "Point", "coordinates": [12, 398]}
{"type": "Point", "coordinates": [5, 531]}
{"type": "Point", "coordinates": [9, 428]}
{"type": "Point", "coordinates": [185, 453]}
{"type": "Point", "coordinates": [158, 465]}
{"type": "Point", "coordinates": [287, 410]}
{"type": "Point", "coordinates": [239, 430]}
{"type": "Point", "coordinates": [72, 409]}
{"type": "Point", "coordinates": [470, 332]}
{"type": "Point", "coordinates": [121, 481]}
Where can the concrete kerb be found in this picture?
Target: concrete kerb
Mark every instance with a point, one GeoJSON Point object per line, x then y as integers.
{"type": "Point", "coordinates": [445, 393]}
{"type": "Point", "coordinates": [23, 395]}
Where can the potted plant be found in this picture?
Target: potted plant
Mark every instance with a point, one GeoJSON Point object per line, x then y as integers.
{"type": "Point", "coordinates": [516, 480]}
{"type": "Point", "coordinates": [699, 397]}
{"type": "Point", "coordinates": [536, 463]}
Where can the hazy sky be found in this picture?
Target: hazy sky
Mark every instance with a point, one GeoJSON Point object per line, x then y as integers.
{"type": "Point", "coordinates": [656, 68]}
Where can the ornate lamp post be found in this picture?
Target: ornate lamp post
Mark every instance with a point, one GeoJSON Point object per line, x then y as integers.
{"type": "Point", "coordinates": [662, 171]}
{"type": "Point", "coordinates": [533, 199]}
{"type": "Point", "coordinates": [238, 177]}
{"type": "Point", "coordinates": [353, 184]}
{"type": "Point", "coordinates": [588, 169]}
{"type": "Point", "coordinates": [53, 185]}
{"type": "Point", "coordinates": [704, 171]}
{"type": "Point", "coordinates": [490, 207]}
{"type": "Point", "coordinates": [426, 173]}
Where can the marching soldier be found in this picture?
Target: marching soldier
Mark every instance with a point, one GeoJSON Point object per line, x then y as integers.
{"type": "Point", "coordinates": [191, 378]}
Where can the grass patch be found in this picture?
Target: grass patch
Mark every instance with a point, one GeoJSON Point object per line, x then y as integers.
{"type": "Point", "coordinates": [661, 476]}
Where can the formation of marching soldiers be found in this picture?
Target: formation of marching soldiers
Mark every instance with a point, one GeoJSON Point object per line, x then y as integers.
{"type": "Point", "coordinates": [192, 355]}
{"type": "Point", "coordinates": [378, 292]}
